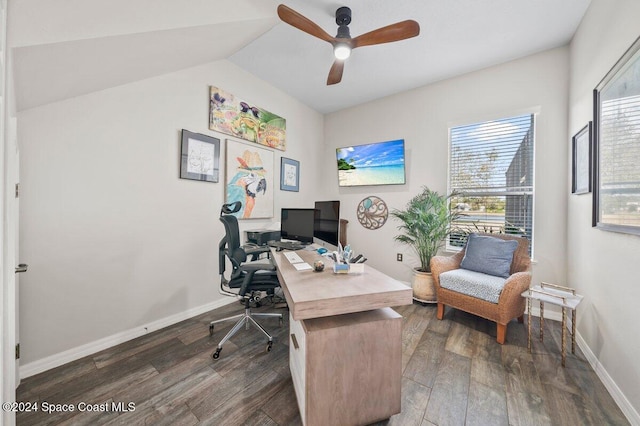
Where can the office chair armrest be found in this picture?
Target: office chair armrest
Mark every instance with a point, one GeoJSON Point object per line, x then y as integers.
{"type": "Point", "coordinates": [257, 266]}
{"type": "Point", "coordinates": [255, 251]}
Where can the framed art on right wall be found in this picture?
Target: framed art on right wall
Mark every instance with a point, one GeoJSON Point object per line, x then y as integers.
{"type": "Point", "coordinates": [616, 147]}
{"type": "Point", "coordinates": [581, 161]}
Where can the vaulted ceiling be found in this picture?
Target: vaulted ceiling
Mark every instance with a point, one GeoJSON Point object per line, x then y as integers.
{"type": "Point", "coordinates": [69, 48]}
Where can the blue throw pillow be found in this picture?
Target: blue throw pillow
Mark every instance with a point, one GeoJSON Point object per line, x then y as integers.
{"type": "Point", "coordinates": [489, 255]}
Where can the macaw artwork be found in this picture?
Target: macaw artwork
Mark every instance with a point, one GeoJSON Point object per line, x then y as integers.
{"type": "Point", "coordinates": [235, 117]}
{"type": "Point", "coordinates": [250, 180]}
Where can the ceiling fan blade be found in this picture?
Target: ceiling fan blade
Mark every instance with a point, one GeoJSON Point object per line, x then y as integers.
{"type": "Point", "coordinates": [394, 32]}
{"type": "Point", "coordinates": [302, 23]}
{"type": "Point", "coordinates": [335, 73]}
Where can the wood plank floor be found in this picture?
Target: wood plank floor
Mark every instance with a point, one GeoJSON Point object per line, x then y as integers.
{"type": "Point", "coordinates": [454, 374]}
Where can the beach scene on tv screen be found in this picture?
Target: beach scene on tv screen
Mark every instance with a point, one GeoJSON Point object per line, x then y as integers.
{"type": "Point", "coordinates": [373, 164]}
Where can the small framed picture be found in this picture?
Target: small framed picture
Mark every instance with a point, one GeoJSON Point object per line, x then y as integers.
{"type": "Point", "coordinates": [200, 157]}
{"type": "Point", "coordinates": [289, 174]}
{"type": "Point", "coordinates": [581, 161]}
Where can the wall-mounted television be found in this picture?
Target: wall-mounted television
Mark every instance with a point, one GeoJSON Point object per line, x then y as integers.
{"type": "Point", "coordinates": [297, 224]}
{"type": "Point", "coordinates": [379, 163]}
{"type": "Point", "coordinates": [326, 226]}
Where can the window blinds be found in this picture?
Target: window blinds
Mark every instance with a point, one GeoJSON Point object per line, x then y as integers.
{"type": "Point", "coordinates": [491, 170]}
{"type": "Point", "coordinates": [619, 161]}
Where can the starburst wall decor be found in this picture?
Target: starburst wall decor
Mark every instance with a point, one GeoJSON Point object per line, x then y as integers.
{"type": "Point", "coordinates": [372, 212]}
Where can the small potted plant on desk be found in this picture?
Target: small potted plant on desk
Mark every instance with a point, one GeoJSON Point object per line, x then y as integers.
{"type": "Point", "coordinates": [425, 224]}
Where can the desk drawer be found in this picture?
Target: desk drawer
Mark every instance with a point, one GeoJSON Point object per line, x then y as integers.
{"type": "Point", "coordinates": [297, 361]}
{"type": "Point", "coordinates": [353, 368]}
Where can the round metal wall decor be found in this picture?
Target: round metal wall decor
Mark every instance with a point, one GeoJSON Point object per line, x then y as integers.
{"type": "Point", "coordinates": [372, 212]}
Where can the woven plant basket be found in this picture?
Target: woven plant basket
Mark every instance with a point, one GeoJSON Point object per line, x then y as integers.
{"type": "Point", "coordinates": [423, 288]}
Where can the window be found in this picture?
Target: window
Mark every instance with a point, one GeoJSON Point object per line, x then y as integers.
{"type": "Point", "coordinates": [616, 201]}
{"type": "Point", "coordinates": [491, 170]}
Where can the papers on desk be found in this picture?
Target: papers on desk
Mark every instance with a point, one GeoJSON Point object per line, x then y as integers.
{"type": "Point", "coordinates": [304, 266]}
{"type": "Point", "coordinates": [293, 257]}
{"type": "Point", "coordinates": [297, 262]}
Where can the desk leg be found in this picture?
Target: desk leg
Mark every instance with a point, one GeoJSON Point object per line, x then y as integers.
{"type": "Point", "coordinates": [564, 335]}
{"type": "Point", "coordinates": [573, 331]}
{"type": "Point", "coordinates": [529, 324]}
{"type": "Point", "coordinates": [542, 321]}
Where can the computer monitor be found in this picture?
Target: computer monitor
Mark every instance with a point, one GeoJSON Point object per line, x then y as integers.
{"type": "Point", "coordinates": [297, 224]}
{"type": "Point", "coordinates": [326, 227]}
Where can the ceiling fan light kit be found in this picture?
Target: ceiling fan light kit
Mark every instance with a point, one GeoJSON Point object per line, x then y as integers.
{"type": "Point", "coordinates": [341, 51]}
{"type": "Point", "coordinates": [343, 43]}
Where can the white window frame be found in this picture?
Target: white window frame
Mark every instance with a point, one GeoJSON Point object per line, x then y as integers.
{"type": "Point", "coordinates": [613, 88]}
{"type": "Point", "coordinates": [535, 112]}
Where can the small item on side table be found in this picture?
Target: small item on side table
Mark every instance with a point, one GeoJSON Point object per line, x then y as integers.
{"type": "Point", "coordinates": [566, 298]}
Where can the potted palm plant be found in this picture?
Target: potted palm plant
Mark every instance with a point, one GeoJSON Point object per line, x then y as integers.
{"type": "Point", "coordinates": [425, 223]}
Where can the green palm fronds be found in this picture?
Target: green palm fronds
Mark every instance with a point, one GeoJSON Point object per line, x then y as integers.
{"type": "Point", "coordinates": [425, 224]}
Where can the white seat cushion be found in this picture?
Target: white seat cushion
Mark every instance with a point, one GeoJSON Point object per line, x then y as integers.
{"type": "Point", "coordinates": [475, 284]}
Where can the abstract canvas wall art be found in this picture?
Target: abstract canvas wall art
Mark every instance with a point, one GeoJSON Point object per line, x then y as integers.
{"type": "Point", "coordinates": [239, 118]}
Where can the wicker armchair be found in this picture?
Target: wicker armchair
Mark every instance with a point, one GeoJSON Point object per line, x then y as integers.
{"type": "Point", "coordinates": [510, 304]}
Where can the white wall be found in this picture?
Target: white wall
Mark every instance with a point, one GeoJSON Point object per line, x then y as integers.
{"type": "Point", "coordinates": [603, 265]}
{"type": "Point", "coordinates": [423, 116]}
{"type": "Point", "coordinates": [114, 239]}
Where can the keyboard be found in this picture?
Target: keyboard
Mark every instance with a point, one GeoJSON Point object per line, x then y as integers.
{"type": "Point", "coordinates": [293, 257]}
{"type": "Point", "coordinates": [286, 245]}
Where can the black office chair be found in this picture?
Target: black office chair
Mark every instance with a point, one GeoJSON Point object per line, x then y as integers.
{"type": "Point", "coordinates": [248, 280]}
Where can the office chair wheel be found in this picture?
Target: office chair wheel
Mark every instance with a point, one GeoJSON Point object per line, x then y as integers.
{"type": "Point", "coordinates": [216, 354]}
{"type": "Point", "coordinates": [269, 345]}
{"type": "Point", "coordinates": [210, 329]}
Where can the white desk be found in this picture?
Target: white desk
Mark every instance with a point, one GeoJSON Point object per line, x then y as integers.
{"type": "Point", "coordinates": [564, 297]}
{"type": "Point", "coordinates": [345, 351]}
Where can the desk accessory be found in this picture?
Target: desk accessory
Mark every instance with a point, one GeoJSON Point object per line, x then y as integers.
{"type": "Point", "coordinates": [340, 268]}
{"type": "Point", "coordinates": [348, 268]}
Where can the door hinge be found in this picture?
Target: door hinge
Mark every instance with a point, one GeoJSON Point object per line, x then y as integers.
{"type": "Point", "coordinates": [17, 190]}
{"type": "Point", "coordinates": [18, 351]}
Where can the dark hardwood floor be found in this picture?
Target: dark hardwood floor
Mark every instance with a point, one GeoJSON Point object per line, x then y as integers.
{"type": "Point", "coordinates": [454, 374]}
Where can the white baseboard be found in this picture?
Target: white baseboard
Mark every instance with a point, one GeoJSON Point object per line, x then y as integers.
{"type": "Point", "coordinates": [625, 406]}
{"type": "Point", "coordinates": [73, 354]}
{"type": "Point", "coordinates": [627, 409]}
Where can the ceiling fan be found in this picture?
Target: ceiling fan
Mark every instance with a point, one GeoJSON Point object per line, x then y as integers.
{"type": "Point", "coordinates": [343, 43]}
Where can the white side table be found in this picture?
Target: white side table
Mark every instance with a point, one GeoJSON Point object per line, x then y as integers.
{"type": "Point", "coordinates": [564, 297]}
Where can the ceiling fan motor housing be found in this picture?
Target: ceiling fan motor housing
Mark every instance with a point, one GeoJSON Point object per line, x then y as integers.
{"type": "Point", "coordinates": [343, 18]}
